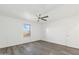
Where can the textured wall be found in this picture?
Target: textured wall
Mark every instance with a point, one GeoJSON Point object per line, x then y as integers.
{"type": "Point", "coordinates": [64, 31]}
{"type": "Point", "coordinates": [11, 32]}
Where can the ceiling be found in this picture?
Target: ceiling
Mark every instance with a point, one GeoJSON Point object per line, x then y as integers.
{"type": "Point", "coordinates": [54, 11]}
{"type": "Point", "coordinates": [26, 10]}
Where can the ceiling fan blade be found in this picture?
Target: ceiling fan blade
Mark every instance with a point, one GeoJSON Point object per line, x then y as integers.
{"type": "Point", "coordinates": [45, 17]}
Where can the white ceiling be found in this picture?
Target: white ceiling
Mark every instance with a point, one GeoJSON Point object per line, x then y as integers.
{"type": "Point", "coordinates": [23, 10]}
{"type": "Point", "coordinates": [54, 11]}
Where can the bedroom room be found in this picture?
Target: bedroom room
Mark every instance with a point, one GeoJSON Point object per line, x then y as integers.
{"type": "Point", "coordinates": [39, 29]}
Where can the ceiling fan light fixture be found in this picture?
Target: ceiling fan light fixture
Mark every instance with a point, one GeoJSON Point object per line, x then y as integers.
{"type": "Point", "coordinates": [42, 17]}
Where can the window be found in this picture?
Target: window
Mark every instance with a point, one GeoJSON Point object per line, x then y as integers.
{"type": "Point", "coordinates": [26, 27]}
{"type": "Point", "coordinates": [27, 30]}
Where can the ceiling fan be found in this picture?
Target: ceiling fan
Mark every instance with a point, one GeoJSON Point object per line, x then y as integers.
{"type": "Point", "coordinates": [40, 17]}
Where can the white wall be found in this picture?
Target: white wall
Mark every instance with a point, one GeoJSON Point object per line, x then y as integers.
{"type": "Point", "coordinates": [64, 31]}
{"type": "Point", "coordinates": [63, 26]}
{"type": "Point", "coordinates": [11, 32]}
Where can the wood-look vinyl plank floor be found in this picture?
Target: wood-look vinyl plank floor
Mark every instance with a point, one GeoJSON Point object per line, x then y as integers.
{"type": "Point", "coordinates": [39, 48]}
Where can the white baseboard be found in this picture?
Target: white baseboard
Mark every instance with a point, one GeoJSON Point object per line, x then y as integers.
{"type": "Point", "coordinates": [73, 46]}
